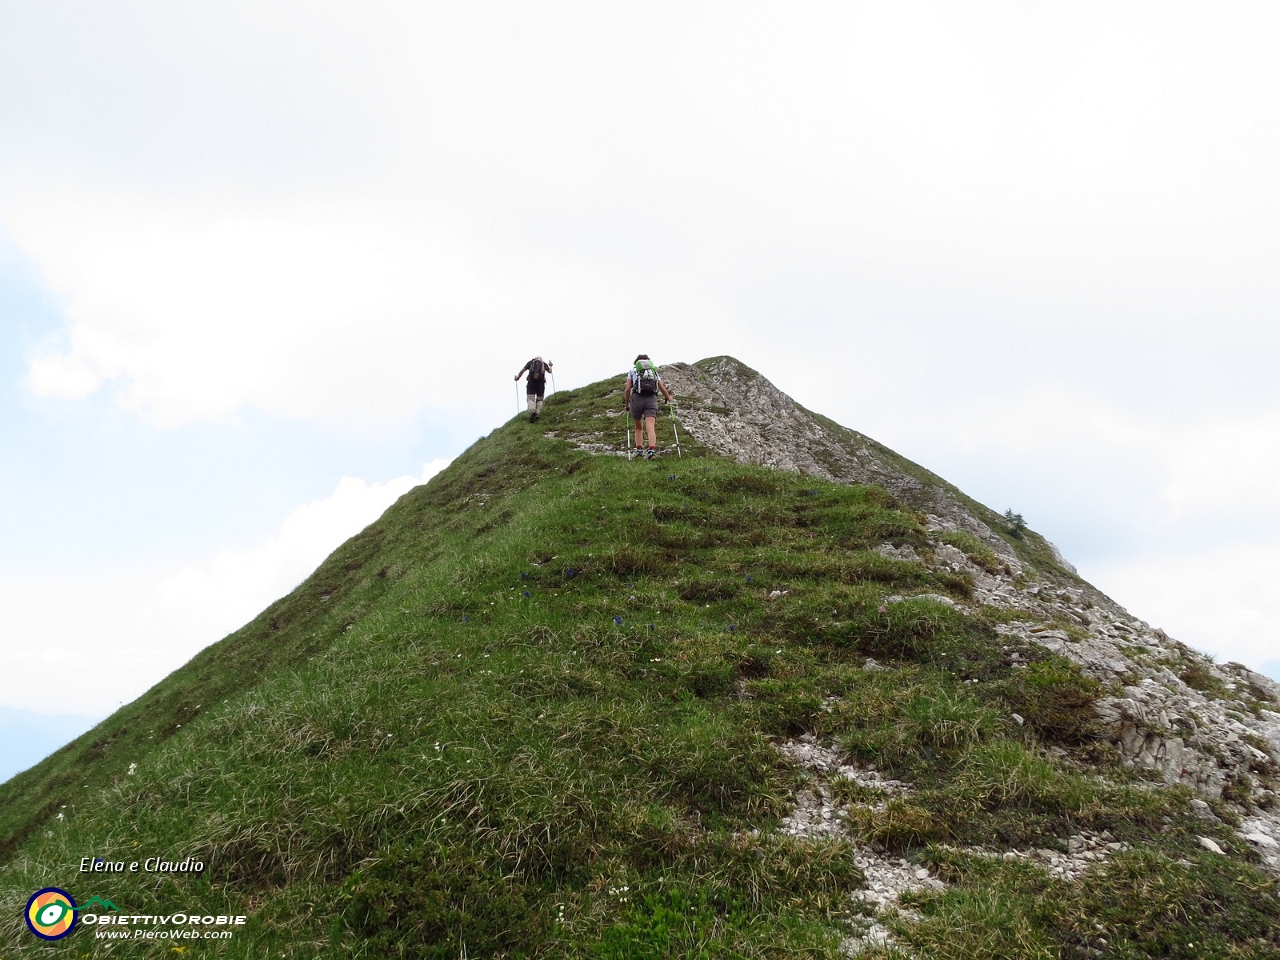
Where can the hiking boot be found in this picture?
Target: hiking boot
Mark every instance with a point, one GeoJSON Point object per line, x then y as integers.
{"type": "Point", "coordinates": [650, 453]}
{"type": "Point", "coordinates": [639, 453]}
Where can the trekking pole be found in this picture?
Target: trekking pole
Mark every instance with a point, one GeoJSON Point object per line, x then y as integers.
{"type": "Point", "coordinates": [671, 409]}
{"type": "Point", "coordinates": [553, 382]}
{"type": "Point", "coordinates": [517, 397]}
{"type": "Point", "coordinates": [626, 436]}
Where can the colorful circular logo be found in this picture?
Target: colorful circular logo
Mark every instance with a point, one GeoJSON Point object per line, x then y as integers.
{"type": "Point", "coordinates": [51, 913]}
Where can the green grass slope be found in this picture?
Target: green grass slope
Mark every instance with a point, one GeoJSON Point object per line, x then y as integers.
{"type": "Point", "coordinates": [531, 712]}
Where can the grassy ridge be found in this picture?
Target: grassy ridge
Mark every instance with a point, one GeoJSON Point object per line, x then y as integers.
{"type": "Point", "coordinates": [529, 713]}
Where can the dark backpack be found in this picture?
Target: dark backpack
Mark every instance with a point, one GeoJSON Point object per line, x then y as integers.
{"type": "Point", "coordinates": [646, 378]}
{"type": "Point", "coordinates": [536, 370]}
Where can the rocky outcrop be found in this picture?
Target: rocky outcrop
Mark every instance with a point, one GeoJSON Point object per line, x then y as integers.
{"type": "Point", "coordinates": [738, 413]}
{"type": "Point", "coordinates": [1170, 711]}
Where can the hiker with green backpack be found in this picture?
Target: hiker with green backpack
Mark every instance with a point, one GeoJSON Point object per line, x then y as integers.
{"type": "Point", "coordinates": [536, 386]}
{"type": "Point", "coordinates": [640, 396]}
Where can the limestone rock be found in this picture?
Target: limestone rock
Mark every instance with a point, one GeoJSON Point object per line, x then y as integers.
{"type": "Point", "coordinates": [1211, 846]}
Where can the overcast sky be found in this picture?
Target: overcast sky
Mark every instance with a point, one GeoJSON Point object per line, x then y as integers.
{"type": "Point", "coordinates": [264, 266]}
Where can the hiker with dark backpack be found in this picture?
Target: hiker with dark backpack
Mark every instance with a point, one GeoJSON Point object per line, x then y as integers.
{"type": "Point", "coordinates": [640, 396]}
{"type": "Point", "coordinates": [536, 385]}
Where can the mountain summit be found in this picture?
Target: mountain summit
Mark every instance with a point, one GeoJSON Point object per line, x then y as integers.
{"type": "Point", "coordinates": [783, 694]}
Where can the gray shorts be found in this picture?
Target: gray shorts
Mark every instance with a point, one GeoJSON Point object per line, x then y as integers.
{"type": "Point", "coordinates": [642, 406]}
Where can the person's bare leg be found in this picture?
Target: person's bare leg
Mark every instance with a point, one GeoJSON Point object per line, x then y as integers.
{"type": "Point", "coordinates": [653, 436]}
{"type": "Point", "coordinates": [639, 434]}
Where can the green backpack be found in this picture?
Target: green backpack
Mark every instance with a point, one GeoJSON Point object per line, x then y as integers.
{"type": "Point", "coordinates": [646, 378]}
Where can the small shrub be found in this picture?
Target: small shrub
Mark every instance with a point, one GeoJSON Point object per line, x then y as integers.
{"type": "Point", "coordinates": [1017, 526]}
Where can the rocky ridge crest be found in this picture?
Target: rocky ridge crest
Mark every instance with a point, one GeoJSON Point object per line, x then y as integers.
{"type": "Point", "coordinates": [1171, 712]}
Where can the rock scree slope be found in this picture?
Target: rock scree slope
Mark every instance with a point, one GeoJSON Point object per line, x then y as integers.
{"type": "Point", "coordinates": [788, 694]}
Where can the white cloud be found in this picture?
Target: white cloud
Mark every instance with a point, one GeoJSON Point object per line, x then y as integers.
{"type": "Point", "coordinates": [1164, 471]}
{"type": "Point", "coordinates": [334, 315]}
{"type": "Point", "coordinates": [68, 375]}
{"type": "Point", "coordinates": [1226, 464]}
{"type": "Point", "coordinates": [591, 173]}
{"type": "Point", "coordinates": [86, 646]}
